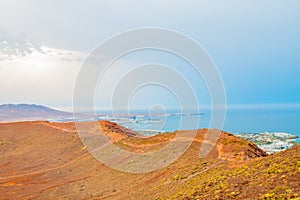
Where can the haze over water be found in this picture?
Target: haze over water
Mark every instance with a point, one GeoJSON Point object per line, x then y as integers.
{"type": "Point", "coordinates": [238, 120]}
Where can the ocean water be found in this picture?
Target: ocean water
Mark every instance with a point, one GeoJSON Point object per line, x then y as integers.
{"type": "Point", "coordinates": [263, 120]}
{"type": "Point", "coordinates": [236, 121]}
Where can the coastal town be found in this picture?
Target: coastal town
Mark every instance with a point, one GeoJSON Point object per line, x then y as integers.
{"type": "Point", "coordinates": [271, 142]}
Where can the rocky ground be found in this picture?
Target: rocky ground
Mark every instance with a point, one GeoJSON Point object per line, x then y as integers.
{"type": "Point", "coordinates": [43, 160]}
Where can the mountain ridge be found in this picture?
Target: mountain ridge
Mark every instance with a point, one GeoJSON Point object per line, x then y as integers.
{"type": "Point", "coordinates": [20, 112]}
{"type": "Point", "coordinates": [42, 160]}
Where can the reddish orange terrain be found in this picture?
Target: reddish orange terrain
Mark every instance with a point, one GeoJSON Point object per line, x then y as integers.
{"type": "Point", "coordinates": [43, 160]}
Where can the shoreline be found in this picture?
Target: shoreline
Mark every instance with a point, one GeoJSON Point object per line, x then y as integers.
{"type": "Point", "coordinates": [270, 142]}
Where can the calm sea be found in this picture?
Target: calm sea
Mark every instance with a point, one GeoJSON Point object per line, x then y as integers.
{"type": "Point", "coordinates": [236, 121]}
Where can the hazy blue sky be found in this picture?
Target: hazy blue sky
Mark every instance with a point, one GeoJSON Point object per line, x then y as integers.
{"type": "Point", "coordinates": [255, 44]}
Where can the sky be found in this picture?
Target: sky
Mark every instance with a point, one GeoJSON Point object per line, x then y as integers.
{"type": "Point", "coordinates": [254, 44]}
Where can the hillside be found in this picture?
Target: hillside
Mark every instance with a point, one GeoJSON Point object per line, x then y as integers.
{"type": "Point", "coordinates": [21, 112]}
{"type": "Point", "coordinates": [43, 160]}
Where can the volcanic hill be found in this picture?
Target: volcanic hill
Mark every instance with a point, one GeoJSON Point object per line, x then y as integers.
{"type": "Point", "coordinates": [43, 160]}
{"type": "Point", "coordinates": [20, 112]}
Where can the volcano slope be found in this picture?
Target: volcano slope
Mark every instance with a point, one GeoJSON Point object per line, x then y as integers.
{"type": "Point", "coordinates": [43, 160]}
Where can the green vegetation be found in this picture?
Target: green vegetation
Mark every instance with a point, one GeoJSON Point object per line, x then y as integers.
{"type": "Point", "coordinates": [276, 177]}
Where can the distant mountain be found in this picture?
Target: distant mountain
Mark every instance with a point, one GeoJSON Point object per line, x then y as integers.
{"type": "Point", "coordinates": [19, 112]}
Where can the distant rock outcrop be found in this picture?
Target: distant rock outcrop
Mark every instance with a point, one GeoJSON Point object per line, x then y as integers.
{"type": "Point", "coordinates": [19, 112]}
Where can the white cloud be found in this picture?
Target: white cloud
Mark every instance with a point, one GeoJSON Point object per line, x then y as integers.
{"type": "Point", "coordinates": [12, 44]}
{"type": "Point", "coordinates": [45, 77]}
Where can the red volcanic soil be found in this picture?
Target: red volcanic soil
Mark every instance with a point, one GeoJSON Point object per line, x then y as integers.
{"type": "Point", "coordinates": [43, 160]}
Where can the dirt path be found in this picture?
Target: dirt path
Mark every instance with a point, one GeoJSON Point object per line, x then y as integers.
{"type": "Point", "coordinates": [201, 172]}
